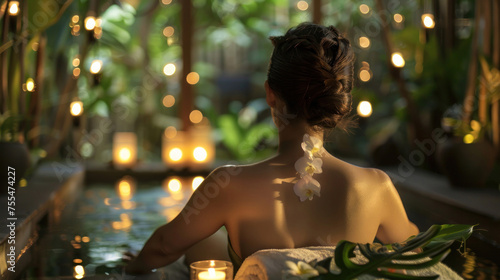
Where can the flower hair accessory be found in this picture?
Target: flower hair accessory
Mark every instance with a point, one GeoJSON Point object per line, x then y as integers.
{"type": "Point", "coordinates": [308, 165]}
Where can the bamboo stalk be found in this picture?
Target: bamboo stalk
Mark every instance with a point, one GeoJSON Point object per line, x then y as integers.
{"type": "Point", "coordinates": [36, 97]}
{"type": "Point", "coordinates": [483, 94]}
{"type": "Point", "coordinates": [415, 122]}
{"type": "Point", "coordinates": [472, 74]}
{"type": "Point", "coordinates": [3, 62]}
{"type": "Point", "coordinates": [495, 107]}
{"type": "Point", "coordinates": [187, 95]}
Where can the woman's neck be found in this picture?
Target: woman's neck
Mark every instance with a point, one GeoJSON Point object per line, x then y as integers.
{"type": "Point", "coordinates": [291, 136]}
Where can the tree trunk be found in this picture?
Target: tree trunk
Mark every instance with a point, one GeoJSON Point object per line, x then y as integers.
{"type": "Point", "coordinates": [317, 16]}
{"type": "Point", "coordinates": [483, 94]}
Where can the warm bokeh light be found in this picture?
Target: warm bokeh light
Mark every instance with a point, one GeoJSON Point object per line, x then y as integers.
{"type": "Point", "coordinates": [124, 224]}
{"type": "Point", "coordinates": [197, 182]}
{"type": "Point", "coordinates": [85, 239]}
{"type": "Point", "coordinates": [170, 132]}
{"type": "Point", "coordinates": [398, 18]}
{"type": "Point", "coordinates": [168, 101]}
{"type": "Point", "coordinates": [195, 116]}
{"type": "Point", "coordinates": [302, 5]}
{"type": "Point", "coordinates": [34, 46]}
{"type": "Point", "coordinates": [365, 75]}
{"type": "Point", "coordinates": [193, 78]}
{"type": "Point", "coordinates": [398, 60]}
{"type": "Point", "coordinates": [124, 154]}
{"type": "Point", "coordinates": [175, 154]}
{"type": "Point", "coordinates": [13, 8]}
{"type": "Point", "coordinates": [76, 62]}
{"type": "Point", "coordinates": [76, 108]}
{"type": "Point", "coordinates": [79, 272]}
{"type": "Point", "coordinates": [96, 66]}
{"type": "Point", "coordinates": [174, 185]}
{"type": "Point", "coordinates": [475, 125]}
{"type": "Point", "coordinates": [90, 23]}
{"type": "Point", "coordinates": [77, 261]}
{"type": "Point", "coordinates": [75, 19]}
{"type": "Point", "coordinates": [364, 42]}
{"type": "Point", "coordinates": [168, 31]}
{"type": "Point", "coordinates": [166, 2]}
{"type": "Point", "coordinates": [428, 21]}
{"type": "Point", "coordinates": [364, 109]}
{"type": "Point", "coordinates": [364, 9]}
{"type": "Point", "coordinates": [78, 238]}
{"type": "Point", "coordinates": [76, 72]}
{"type": "Point", "coordinates": [23, 183]}
{"type": "Point", "coordinates": [30, 85]}
{"type": "Point", "coordinates": [468, 138]}
{"type": "Point", "coordinates": [200, 154]}
{"type": "Point", "coordinates": [169, 69]}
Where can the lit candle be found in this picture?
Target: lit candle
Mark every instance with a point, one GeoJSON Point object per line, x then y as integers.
{"type": "Point", "coordinates": [174, 149]}
{"type": "Point", "coordinates": [124, 149]}
{"type": "Point", "coordinates": [202, 148]}
{"type": "Point", "coordinates": [211, 274]}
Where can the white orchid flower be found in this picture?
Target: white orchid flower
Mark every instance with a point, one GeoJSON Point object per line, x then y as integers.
{"type": "Point", "coordinates": [301, 270]}
{"type": "Point", "coordinates": [308, 166]}
{"type": "Point", "coordinates": [306, 188]}
{"type": "Point", "coordinates": [312, 146]}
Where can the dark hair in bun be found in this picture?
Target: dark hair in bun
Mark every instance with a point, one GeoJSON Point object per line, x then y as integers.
{"type": "Point", "coordinates": [311, 70]}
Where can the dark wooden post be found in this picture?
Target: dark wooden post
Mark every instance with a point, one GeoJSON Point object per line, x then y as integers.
{"type": "Point", "coordinates": [187, 97]}
{"type": "Point", "coordinates": [317, 16]}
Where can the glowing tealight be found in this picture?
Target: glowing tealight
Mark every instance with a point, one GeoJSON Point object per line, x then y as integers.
{"type": "Point", "coordinates": [30, 85]}
{"type": "Point", "coordinates": [193, 78]}
{"type": "Point", "coordinates": [398, 18]}
{"type": "Point", "coordinates": [168, 101]}
{"type": "Point", "coordinates": [175, 154]}
{"type": "Point", "coordinates": [195, 116]}
{"type": "Point", "coordinates": [364, 109]}
{"type": "Point", "coordinates": [90, 23]}
{"type": "Point", "coordinates": [76, 108]}
{"type": "Point", "coordinates": [398, 60]}
{"type": "Point", "coordinates": [174, 185]}
{"type": "Point", "coordinates": [468, 138]}
{"type": "Point", "coordinates": [197, 182]}
{"type": "Point", "coordinates": [96, 66]}
{"type": "Point", "coordinates": [212, 274]}
{"type": "Point", "coordinates": [169, 69]}
{"type": "Point", "coordinates": [79, 270]}
{"type": "Point", "coordinates": [124, 154]}
{"type": "Point", "coordinates": [13, 8]}
{"type": "Point", "coordinates": [364, 9]}
{"type": "Point", "coordinates": [428, 21]}
{"type": "Point", "coordinates": [302, 5]}
{"type": "Point", "coordinates": [200, 154]}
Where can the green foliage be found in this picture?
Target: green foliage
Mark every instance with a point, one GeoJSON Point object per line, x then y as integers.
{"type": "Point", "coordinates": [243, 136]}
{"type": "Point", "coordinates": [386, 260]}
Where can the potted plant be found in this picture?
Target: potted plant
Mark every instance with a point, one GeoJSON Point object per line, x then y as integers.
{"type": "Point", "coordinates": [467, 157]}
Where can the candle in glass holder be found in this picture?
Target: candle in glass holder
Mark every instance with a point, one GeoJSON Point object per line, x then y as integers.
{"type": "Point", "coordinates": [202, 148]}
{"type": "Point", "coordinates": [124, 149]}
{"type": "Point", "coordinates": [174, 149]}
{"type": "Point", "coordinates": [211, 270]}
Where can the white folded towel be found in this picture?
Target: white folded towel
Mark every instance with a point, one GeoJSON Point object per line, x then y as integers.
{"type": "Point", "coordinates": [269, 264]}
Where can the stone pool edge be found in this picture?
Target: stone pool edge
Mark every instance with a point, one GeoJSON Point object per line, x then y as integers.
{"type": "Point", "coordinates": [50, 189]}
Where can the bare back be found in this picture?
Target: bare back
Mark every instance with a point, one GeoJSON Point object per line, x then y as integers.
{"type": "Point", "coordinates": [264, 212]}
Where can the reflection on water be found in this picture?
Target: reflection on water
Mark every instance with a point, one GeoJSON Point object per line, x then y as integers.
{"type": "Point", "coordinates": [106, 222]}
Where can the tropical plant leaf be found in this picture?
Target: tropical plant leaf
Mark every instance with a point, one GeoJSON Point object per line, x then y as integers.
{"type": "Point", "coordinates": [387, 260]}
